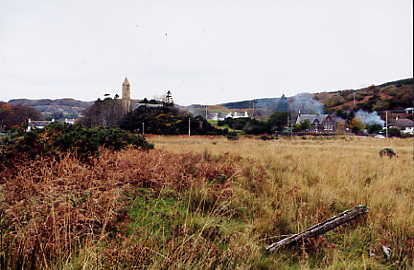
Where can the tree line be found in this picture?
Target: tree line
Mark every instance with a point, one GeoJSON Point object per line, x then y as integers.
{"type": "Point", "coordinates": [12, 117]}
{"type": "Point", "coordinates": [162, 119]}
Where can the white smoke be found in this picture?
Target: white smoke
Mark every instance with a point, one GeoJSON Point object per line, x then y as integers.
{"type": "Point", "coordinates": [369, 118]}
{"type": "Point", "coordinates": [195, 110]}
{"type": "Point", "coordinates": [306, 104]}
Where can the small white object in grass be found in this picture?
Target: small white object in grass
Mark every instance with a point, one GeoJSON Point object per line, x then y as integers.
{"type": "Point", "coordinates": [387, 251]}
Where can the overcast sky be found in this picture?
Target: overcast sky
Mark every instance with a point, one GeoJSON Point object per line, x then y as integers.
{"type": "Point", "coordinates": [206, 52]}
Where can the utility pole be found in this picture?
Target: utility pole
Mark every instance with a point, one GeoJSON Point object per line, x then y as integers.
{"type": "Point", "coordinates": [412, 117]}
{"type": "Point", "coordinates": [206, 111]}
{"type": "Point", "coordinates": [354, 98]}
{"type": "Point", "coordinates": [289, 125]}
{"type": "Point", "coordinates": [189, 126]}
{"type": "Point", "coordinates": [253, 108]}
{"type": "Point", "coordinates": [386, 124]}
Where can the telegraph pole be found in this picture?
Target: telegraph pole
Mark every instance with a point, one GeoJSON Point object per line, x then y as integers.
{"type": "Point", "coordinates": [289, 125]}
{"type": "Point", "coordinates": [412, 117]}
{"type": "Point", "coordinates": [386, 124]}
{"type": "Point", "coordinates": [354, 98]}
{"type": "Point", "coordinates": [189, 126]}
{"type": "Point", "coordinates": [253, 115]}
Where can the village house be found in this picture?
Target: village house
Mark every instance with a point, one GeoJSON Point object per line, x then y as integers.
{"type": "Point", "coordinates": [318, 122]}
{"type": "Point", "coordinates": [37, 124]}
{"type": "Point", "coordinates": [405, 125]}
{"type": "Point", "coordinates": [42, 124]}
{"type": "Point", "coordinates": [234, 115]}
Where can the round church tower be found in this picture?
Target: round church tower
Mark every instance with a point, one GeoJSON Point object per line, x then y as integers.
{"type": "Point", "coordinates": [126, 96]}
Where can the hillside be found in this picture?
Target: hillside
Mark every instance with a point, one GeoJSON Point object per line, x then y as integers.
{"type": "Point", "coordinates": [394, 95]}
{"type": "Point", "coordinates": [65, 107]}
{"type": "Point", "coordinates": [263, 106]}
{"type": "Point", "coordinates": [261, 103]}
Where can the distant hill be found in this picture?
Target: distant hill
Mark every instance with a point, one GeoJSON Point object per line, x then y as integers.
{"type": "Point", "coordinates": [65, 107]}
{"type": "Point", "coordinates": [263, 107]}
{"type": "Point", "coordinates": [393, 95]}
{"type": "Point", "coordinates": [261, 103]}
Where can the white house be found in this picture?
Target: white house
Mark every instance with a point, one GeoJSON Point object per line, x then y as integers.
{"type": "Point", "coordinates": [405, 125]}
{"type": "Point", "coordinates": [236, 115]}
{"type": "Point", "coordinates": [37, 124]}
{"type": "Point", "coordinates": [41, 124]}
{"type": "Point", "coordinates": [70, 121]}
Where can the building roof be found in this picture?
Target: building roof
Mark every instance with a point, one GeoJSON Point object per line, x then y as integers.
{"type": "Point", "coordinates": [403, 123]}
{"type": "Point", "coordinates": [311, 117]}
{"type": "Point", "coordinates": [39, 123]}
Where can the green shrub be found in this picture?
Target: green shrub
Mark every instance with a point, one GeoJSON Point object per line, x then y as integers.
{"type": "Point", "coordinates": [267, 138]}
{"type": "Point", "coordinates": [56, 139]}
{"type": "Point", "coordinates": [394, 132]}
{"type": "Point", "coordinates": [232, 136]}
{"type": "Point", "coordinates": [372, 129]}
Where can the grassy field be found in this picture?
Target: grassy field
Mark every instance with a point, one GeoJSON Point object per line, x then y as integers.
{"type": "Point", "coordinates": [210, 203]}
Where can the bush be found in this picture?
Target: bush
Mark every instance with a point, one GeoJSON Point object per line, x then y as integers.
{"type": "Point", "coordinates": [232, 136]}
{"type": "Point", "coordinates": [335, 101]}
{"type": "Point", "coordinates": [268, 138]}
{"type": "Point", "coordinates": [356, 125]}
{"type": "Point", "coordinates": [302, 126]}
{"type": "Point", "coordinates": [254, 126]}
{"type": "Point", "coordinates": [57, 139]}
{"type": "Point", "coordinates": [394, 132]}
{"type": "Point", "coordinates": [374, 128]}
{"type": "Point", "coordinates": [238, 123]}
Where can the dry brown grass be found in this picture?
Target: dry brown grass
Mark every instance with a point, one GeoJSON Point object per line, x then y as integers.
{"type": "Point", "coordinates": [227, 200]}
{"type": "Point", "coordinates": [313, 178]}
{"type": "Point", "coordinates": [50, 208]}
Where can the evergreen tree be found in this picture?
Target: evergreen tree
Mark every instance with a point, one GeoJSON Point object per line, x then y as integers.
{"type": "Point", "coordinates": [282, 105]}
{"type": "Point", "coordinates": [103, 113]}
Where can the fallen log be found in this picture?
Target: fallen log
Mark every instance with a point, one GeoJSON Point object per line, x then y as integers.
{"type": "Point", "coordinates": [321, 228]}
